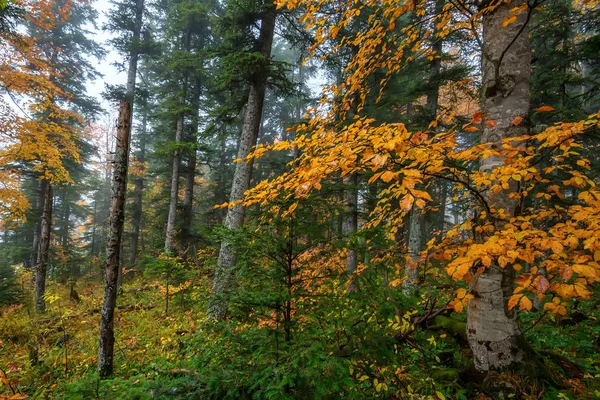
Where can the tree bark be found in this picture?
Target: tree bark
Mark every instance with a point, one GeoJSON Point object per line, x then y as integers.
{"type": "Point", "coordinates": [117, 216]}
{"type": "Point", "coordinates": [235, 216]}
{"type": "Point", "coordinates": [492, 329]}
{"type": "Point", "coordinates": [42, 255]}
{"type": "Point", "coordinates": [170, 236]}
{"type": "Point", "coordinates": [39, 209]}
{"type": "Point", "coordinates": [190, 179]}
{"type": "Point", "coordinates": [117, 211]}
{"type": "Point", "coordinates": [350, 225]}
{"type": "Point", "coordinates": [138, 192]}
{"type": "Point", "coordinates": [414, 248]}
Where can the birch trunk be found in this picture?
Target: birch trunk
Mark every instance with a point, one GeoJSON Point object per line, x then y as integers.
{"type": "Point", "coordinates": [234, 220]}
{"type": "Point", "coordinates": [42, 255]}
{"type": "Point", "coordinates": [113, 248]}
{"type": "Point", "coordinates": [492, 329]}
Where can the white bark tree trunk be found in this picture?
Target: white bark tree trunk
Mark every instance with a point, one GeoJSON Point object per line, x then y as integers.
{"type": "Point", "coordinates": [492, 329]}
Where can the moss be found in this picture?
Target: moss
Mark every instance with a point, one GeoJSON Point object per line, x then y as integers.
{"type": "Point", "coordinates": [451, 325]}
{"type": "Point", "coordinates": [445, 375]}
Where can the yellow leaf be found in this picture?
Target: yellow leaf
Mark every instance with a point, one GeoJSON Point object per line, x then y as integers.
{"type": "Point", "coordinates": [440, 395]}
{"type": "Point", "coordinates": [509, 20]}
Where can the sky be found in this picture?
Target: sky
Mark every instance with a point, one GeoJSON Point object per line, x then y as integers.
{"type": "Point", "coordinates": [110, 73]}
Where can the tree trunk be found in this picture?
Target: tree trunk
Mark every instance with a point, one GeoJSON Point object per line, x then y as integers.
{"type": "Point", "coordinates": [350, 225]}
{"type": "Point", "coordinates": [414, 248]}
{"type": "Point", "coordinates": [492, 329]}
{"type": "Point", "coordinates": [139, 189]}
{"type": "Point", "coordinates": [39, 210]}
{"type": "Point", "coordinates": [66, 214]}
{"type": "Point", "coordinates": [42, 256]}
{"type": "Point", "coordinates": [435, 67]}
{"type": "Point", "coordinates": [235, 216]}
{"type": "Point", "coordinates": [190, 179]}
{"type": "Point", "coordinates": [117, 216]}
{"type": "Point", "coordinates": [170, 236]}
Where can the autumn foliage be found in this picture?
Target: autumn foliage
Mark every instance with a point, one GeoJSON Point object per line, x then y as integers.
{"type": "Point", "coordinates": [37, 129]}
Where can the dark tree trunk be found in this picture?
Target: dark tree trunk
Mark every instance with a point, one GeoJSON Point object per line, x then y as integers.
{"type": "Point", "coordinates": [117, 216]}
{"type": "Point", "coordinates": [235, 216]}
{"type": "Point", "coordinates": [42, 257]}
{"type": "Point", "coordinates": [39, 210]}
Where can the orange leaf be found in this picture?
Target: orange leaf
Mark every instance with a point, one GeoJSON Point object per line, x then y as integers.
{"type": "Point", "coordinates": [545, 108]}
{"type": "Point", "coordinates": [542, 284]}
{"type": "Point", "coordinates": [387, 176]}
{"type": "Point", "coordinates": [407, 202]}
{"type": "Point", "coordinates": [490, 123]}
{"type": "Point", "coordinates": [517, 120]}
{"type": "Point", "coordinates": [525, 303]}
{"type": "Point", "coordinates": [477, 117]}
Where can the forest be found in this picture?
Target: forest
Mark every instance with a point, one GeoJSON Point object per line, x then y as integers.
{"type": "Point", "coordinates": [300, 199]}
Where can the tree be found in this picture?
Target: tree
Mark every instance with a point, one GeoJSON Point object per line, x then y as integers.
{"type": "Point", "coordinates": [242, 175]}
{"type": "Point", "coordinates": [117, 212]}
{"type": "Point", "coordinates": [497, 175]}
{"type": "Point", "coordinates": [493, 332]}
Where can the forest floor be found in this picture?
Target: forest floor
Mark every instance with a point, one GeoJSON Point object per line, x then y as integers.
{"type": "Point", "coordinates": [159, 355]}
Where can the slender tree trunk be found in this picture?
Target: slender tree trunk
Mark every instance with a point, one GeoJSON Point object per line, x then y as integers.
{"type": "Point", "coordinates": [42, 257]}
{"type": "Point", "coordinates": [117, 216]}
{"type": "Point", "coordinates": [443, 200]}
{"type": "Point", "coordinates": [139, 189]}
{"type": "Point", "coordinates": [190, 179]}
{"type": "Point", "coordinates": [39, 209]}
{"type": "Point", "coordinates": [435, 66]}
{"type": "Point", "coordinates": [66, 211]}
{"type": "Point", "coordinates": [117, 211]}
{"type": "Point", "coordinates": [350, 225]}
{"type": "Point", "coordinates": [170, 236]}
{"type": "Point", "coordinates": [414, 248]}
{"type": "Point", "coordinates": [93, 244]}
{"type": "Point", "coordinates": [235, 216]}
{"type": "Point", "coordinates": [492, 328]}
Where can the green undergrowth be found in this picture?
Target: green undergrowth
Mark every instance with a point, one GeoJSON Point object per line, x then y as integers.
{"type": "Point", "coordinates": [337, 347]}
